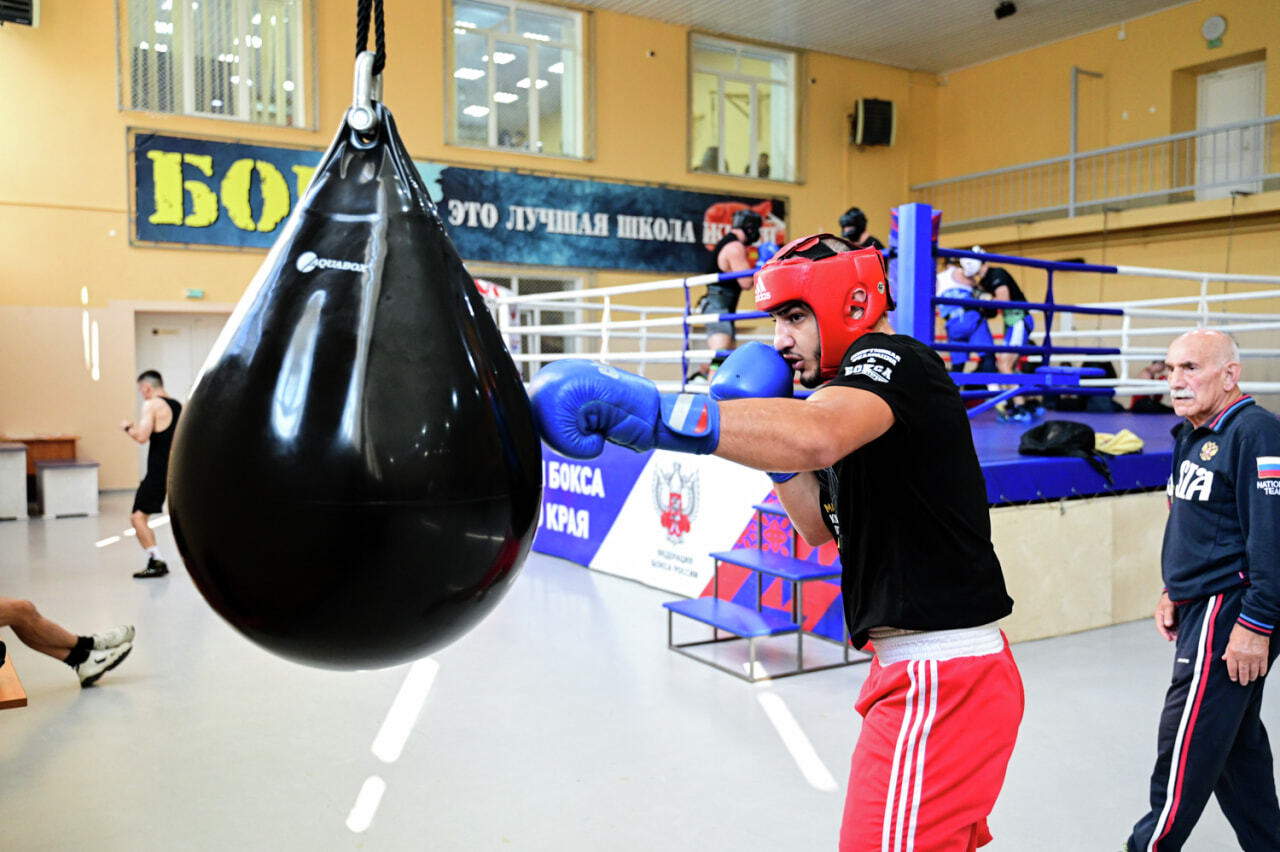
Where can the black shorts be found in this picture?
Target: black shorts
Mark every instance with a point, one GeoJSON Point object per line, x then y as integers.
{"type": "Point", "coordinates": [150, 497]}
{"type": "Point", "coordinates": [719, 301]}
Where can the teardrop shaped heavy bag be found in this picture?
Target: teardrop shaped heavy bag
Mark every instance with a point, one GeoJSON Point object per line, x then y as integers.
{"type": "Point", "coordinates": [356, 478]}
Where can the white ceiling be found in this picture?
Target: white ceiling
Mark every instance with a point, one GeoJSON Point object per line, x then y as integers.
{"type": "Point", "coordinates": [921, 35]}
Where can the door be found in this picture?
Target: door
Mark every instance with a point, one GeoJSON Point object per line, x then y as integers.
{"type": "Point", "coordinates": [1226, 159]}
{"type": "Point", "coordinates": [175, 346]}
{"type": "Point", "coordinates": [538, 314]}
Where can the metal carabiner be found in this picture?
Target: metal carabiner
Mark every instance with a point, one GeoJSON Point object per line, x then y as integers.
{"type": "Point", "coordinates": [361, 116]}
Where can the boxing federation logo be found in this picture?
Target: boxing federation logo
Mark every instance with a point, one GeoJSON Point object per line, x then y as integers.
{"type": "Point", "coordinates": [309, 261]}
{"type": "Point", "coordinates": [675, 497]}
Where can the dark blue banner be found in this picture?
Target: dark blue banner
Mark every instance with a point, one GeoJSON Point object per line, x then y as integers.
{"type": "Point", "coordinates": [215, 193]}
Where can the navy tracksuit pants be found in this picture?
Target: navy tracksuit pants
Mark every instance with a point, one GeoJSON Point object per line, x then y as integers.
{"type": "Point", "coordinates": [1211, 740]}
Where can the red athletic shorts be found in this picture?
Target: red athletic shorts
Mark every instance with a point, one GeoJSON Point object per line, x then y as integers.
{"type": "Point", "coordinates": [936, 739]}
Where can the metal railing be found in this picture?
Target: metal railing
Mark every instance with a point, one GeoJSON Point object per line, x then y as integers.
{"type": "Point", "coordinates": [1215, 162]}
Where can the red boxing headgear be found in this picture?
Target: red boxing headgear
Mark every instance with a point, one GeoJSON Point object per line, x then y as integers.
{"type": "Point", "coordinates": [844, 286]}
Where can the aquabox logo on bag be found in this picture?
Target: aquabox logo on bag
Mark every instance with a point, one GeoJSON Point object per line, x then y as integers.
{"type": "Point", "coordinates": [309, 261]}
{"type": "Point", "coordinates": [675, 497]}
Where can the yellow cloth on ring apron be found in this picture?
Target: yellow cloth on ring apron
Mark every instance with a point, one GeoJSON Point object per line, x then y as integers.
{"type": "Point", "coordinates": [1117, 444]}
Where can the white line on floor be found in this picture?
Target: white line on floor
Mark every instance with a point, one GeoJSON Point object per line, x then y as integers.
{"type": "Point", "coordinates": [112, 540]}
{"type": "Point", "coordinates": [797, 743]}
{"type": "Point", "coordinates": [158, 522]}
{"type": "Point", "coordinates": [404, 711]}
{"type": "Point", "coordinates": [367, 801]}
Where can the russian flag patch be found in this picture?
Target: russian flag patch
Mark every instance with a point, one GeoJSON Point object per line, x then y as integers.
{"type": "Point", "coordinates": [1268, 467]}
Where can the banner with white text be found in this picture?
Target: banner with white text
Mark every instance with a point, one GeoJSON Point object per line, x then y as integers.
{"type": "Point", "coordinates": [206, 192]}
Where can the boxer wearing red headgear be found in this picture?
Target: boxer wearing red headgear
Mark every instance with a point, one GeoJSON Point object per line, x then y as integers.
{"type": "Point", "coordinates": [886, 468]}
{"type": "Point", "coordinates": [848, 292]}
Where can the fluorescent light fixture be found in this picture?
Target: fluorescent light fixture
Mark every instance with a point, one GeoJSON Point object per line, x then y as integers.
{"type": "Point", "coordinates": [164, 28]}
{"type": "Point", "coordinates": [466, 25]}
{"type": "Point", "coordinates": [505, 97]}
{"type": "Point", "coordinates": [501, 57]}
{"type": "Point", "coordinates": [556, 68]}
{"type": "Point", "coordinates": [216, 102]}
{"type": "Point", "coordinates": [476, 111]}
{"type": "Point", "coordinates": [536, 36]}
{"type": "Point", "coordinates": [523, 83]}
{"type": "Point", "coordinates": [287, 85]}
{"type": "Point", "coordinates": [468, 73]}
{"type": "Point", "coordinates": [162, 48]}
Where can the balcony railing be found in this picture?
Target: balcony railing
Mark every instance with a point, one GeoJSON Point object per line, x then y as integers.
{"type": "Point", "coordinates": [1216, 162]}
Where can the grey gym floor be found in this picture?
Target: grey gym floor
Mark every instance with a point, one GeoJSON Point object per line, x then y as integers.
{"type": "Point", "coordinates": [562, 722]}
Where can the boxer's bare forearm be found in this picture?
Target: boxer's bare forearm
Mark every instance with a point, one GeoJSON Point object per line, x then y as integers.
{"type": "Point", "coordinates": [800, 497]}
{"type": "Point", "coordinates": [797, 435]}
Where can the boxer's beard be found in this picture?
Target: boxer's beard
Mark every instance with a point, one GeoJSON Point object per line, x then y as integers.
{"type": "Point", "coordinates": [813, 380]}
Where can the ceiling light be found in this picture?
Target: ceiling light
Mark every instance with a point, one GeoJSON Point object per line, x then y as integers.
{"type": "Point", "coordinates": [536, 36]}
{"type": "Point", "coordinates": [476, 111]}
{"type": "Point", "coordinates": [556, 68]}
{"type": "Point", "coordinates": [468, 73]}
{"type": "Point", "coordinates": [502, 57]}
{"type": "Point", "coordinates": [505, 97]}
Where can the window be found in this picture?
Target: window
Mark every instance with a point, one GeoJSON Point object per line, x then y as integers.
{"type": "Point", "coordinates": [240, 59]}
{"type": "Point", "coordinates": [742, 116]}
{"type": "Point", "coordinates": [517, 77]}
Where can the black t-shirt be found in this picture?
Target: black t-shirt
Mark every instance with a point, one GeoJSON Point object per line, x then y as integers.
{"type": "Point", "coordinates": [998, 277]}
{"type": "Point", "coordinates": [910, 508]}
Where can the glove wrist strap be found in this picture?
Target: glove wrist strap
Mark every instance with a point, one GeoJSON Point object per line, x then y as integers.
{"type": "Point", "coordinates": [688, 423]}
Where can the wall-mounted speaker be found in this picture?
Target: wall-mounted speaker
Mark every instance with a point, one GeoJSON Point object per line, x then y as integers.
{"type": "Point", "coordinates": [874, 122]}
{"type": "Point", "coordinates": [26, 12]}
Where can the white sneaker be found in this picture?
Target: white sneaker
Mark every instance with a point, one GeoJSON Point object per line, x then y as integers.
{"type": "Point", "coordinates": [101, 662]}
{"type": "Point", "coordinates": [113, 637]}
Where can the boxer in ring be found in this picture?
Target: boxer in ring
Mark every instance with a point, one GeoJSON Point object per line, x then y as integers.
{"type": "Point", "coordinates": [879, 458]}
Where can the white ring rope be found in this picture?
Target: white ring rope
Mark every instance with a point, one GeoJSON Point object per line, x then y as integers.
{"type": "Point", "coordinates": [658, 344]}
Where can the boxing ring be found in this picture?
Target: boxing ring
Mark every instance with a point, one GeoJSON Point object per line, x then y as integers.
{"type": "Point", "coordinates": [656, 517]}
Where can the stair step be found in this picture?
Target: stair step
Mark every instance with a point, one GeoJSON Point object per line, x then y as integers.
{"type": "Point", "coordinates": [734, 618]}
{"type": "Point", "coordinates": [777, 565]}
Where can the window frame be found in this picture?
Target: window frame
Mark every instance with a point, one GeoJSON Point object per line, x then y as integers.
{"type": "Point", "coordinates": [305, 90]}
{"type": "Point", "coordinates": [583, 132]}
{"type": "Point", "coordinates": [787, 171]}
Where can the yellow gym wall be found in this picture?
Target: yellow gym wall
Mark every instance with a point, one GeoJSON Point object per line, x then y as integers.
{"type": "Point", "coordinates": [64, 195]}
{"type": "Point", "coordinates": [1017, 108]}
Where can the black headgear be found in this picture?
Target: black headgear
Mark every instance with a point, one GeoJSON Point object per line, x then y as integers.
{"type": "Point", "coordinates": [853, 222]}
{"type": "Point", "coordinates": [749, 221]}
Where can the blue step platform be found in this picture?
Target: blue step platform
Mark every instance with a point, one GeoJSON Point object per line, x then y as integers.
{"type": "Point", "coordinates": [776, 565]}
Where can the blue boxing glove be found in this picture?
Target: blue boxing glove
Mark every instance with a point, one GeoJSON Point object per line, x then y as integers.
{"type": "Point", "coordinates": [580, 404]}
{"type": "Point", "coordinates": [765, 253]}
{"type": "Point", "coordinates": [752, 371]}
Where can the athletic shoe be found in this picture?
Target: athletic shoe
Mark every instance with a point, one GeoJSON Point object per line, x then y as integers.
{"type": "Point", "coordinates": [101, 662]}
{"type": "Point", "coordinates": [155, 568]}
{"type": "Point", "coordinates": [113, 637]}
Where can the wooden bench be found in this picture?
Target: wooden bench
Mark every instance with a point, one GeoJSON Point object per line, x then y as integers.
{"type": "Point", "coordinates": [11, 692]}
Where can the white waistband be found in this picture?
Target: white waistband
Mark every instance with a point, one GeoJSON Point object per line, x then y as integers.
{"type": "Point", "coordinates": [939, 644]}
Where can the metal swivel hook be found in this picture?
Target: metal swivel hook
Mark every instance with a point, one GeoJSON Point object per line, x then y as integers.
{"type": "Point", "coordinates": [361, 116]}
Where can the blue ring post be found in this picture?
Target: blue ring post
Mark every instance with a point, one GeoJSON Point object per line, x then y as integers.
{"type": "Point", "coordinates": [911, 273]}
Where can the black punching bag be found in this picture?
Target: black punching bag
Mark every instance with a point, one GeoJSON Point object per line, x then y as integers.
{"type": "Point", "coordinates": [355, 480]}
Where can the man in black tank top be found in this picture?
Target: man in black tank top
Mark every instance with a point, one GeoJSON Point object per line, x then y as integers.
{"type": "Point", "coordinates": [156, 423]}
{"type": "Point", "coordinates": [729, 255]}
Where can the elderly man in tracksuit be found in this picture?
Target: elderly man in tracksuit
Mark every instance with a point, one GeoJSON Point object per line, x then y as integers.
{"type": "Point", "coordinates": [1221, 568]}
